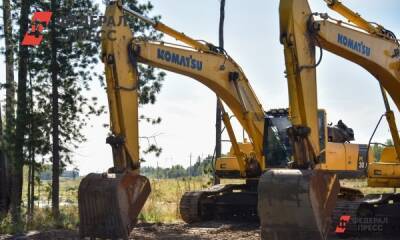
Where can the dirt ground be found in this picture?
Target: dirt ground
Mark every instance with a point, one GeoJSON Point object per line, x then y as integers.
{"type": "Point", "coordinates": [206, 231]}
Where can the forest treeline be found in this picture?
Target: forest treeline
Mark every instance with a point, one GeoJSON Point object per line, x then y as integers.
{"type": "Point", "coordinates": [202, 167]}
{"type": "Point", "coordinates": [47, 96]}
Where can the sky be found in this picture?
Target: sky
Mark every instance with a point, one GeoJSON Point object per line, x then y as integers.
{"type": "Point", "coordinates": [187, 108]}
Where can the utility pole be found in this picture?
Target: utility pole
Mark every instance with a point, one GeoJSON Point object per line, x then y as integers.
{"type": "Point", "coordinates": [157, 172]}
{"type": "Point", "coordinates": [190, 166]}
{"type": "Point", "coordinates": [218, 123]}
{"type": "Point", "coordinates": [190, 170]}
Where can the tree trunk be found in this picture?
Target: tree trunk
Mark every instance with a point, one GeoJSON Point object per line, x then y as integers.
{"type": "Point", "coordinates": [31, 151]}
{"type": "Point", "coordinates": [18, 160]}
{"type": "Point", "coordinates": [10, 109]}
{"type": "Point", "coordinates": [31, 184]}
{"type": "Point", "coordinates": [10, 83]}
{"type": "Point", "coordinates": [28, 194]}
{"type": "Point", "coordinates": [1, 125]}
{"type": "Point", "coordinates": [32, 202]}
{"type": "Point", "coordinates": [218, 123]}
{"type": "Point", "coordinates": [4, 198]}
{"type": "Point", "coordinates": [55, 201]}
{"type": "Point", "coordinates": [3, 178]}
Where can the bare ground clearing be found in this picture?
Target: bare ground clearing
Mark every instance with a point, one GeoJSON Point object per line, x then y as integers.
{"type": "Point", "coordinates": [179, 231]}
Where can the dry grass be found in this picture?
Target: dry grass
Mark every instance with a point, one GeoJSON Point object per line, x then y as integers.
{"type": "Point", "coordinates": [161, 207]}
{"type": "Point", "coordinates": [163, 203]}
{"type": "Point", "coordinates": [361, 184]}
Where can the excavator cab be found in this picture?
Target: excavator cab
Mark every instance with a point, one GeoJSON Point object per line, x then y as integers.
{"type": "Point", "coordinates": [293, 203]}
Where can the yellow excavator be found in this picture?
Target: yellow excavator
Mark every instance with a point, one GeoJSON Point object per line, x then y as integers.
{"type": "Point", "coordinates": [377, 50]}
{"type": "Point", "coordinates": [109, 203]}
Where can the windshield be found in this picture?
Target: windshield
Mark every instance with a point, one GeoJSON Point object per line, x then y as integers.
{"type": "Point", "coordinates": [277, 147]}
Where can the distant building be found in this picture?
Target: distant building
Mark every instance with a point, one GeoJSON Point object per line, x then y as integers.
{"type": "Point", "coordinates": [70, 174]}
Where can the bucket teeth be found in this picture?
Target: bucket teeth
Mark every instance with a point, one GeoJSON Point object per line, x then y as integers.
{"type": "Point", "coordinates": [296, 204]}
{"type": "Point", "coordinates": [109, 204]}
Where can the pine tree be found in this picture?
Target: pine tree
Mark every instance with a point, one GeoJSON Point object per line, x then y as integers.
{"type": "Point", "coordinates": [18, 158]}
{"type": "Point", "coordinates": [63, 71]}
{"type": "Point", "coordinates": [6, 151]}
{"type": "Point", "coordinates": [55, 121]}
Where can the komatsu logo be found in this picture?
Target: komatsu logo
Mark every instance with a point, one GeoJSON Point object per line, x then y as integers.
{"type": "Point", "coordinates": [185, 61]}
{"type": "Point", "coordinates": [359, 47]}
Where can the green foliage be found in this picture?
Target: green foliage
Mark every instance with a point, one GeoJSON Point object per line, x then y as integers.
{"type": "Point", "coordinates": [77, 56]}
{"type": "Point", "coordinates": [378, 148]}
{"type": "Point", "coordinates": [76, 60]}
{"type": "Point", "coordinates": [389, 143]}
{"type": "Point", "coordinates": [43, 220]}
{"type": "Point", "coordinates": [201, 167]}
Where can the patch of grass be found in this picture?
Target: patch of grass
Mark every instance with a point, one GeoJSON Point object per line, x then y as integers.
{"type": "Point", "coordinates": [161, 206]}
{"type": "Point", "coordinates": [163, 202]}
{"type": "Point", "coordinates": [42, 220]}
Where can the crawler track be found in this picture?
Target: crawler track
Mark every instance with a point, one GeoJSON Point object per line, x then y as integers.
{"type": "Point", "coordinates": [190, 206]}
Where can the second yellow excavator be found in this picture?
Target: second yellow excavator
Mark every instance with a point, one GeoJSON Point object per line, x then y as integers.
{"type": "Point", "coordinates": [377, 50]}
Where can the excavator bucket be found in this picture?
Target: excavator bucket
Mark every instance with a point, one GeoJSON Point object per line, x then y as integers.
{"type": "Point", "coordinates": [109, 204]}
{"type": "Point", "coordinates": [296, 204]}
